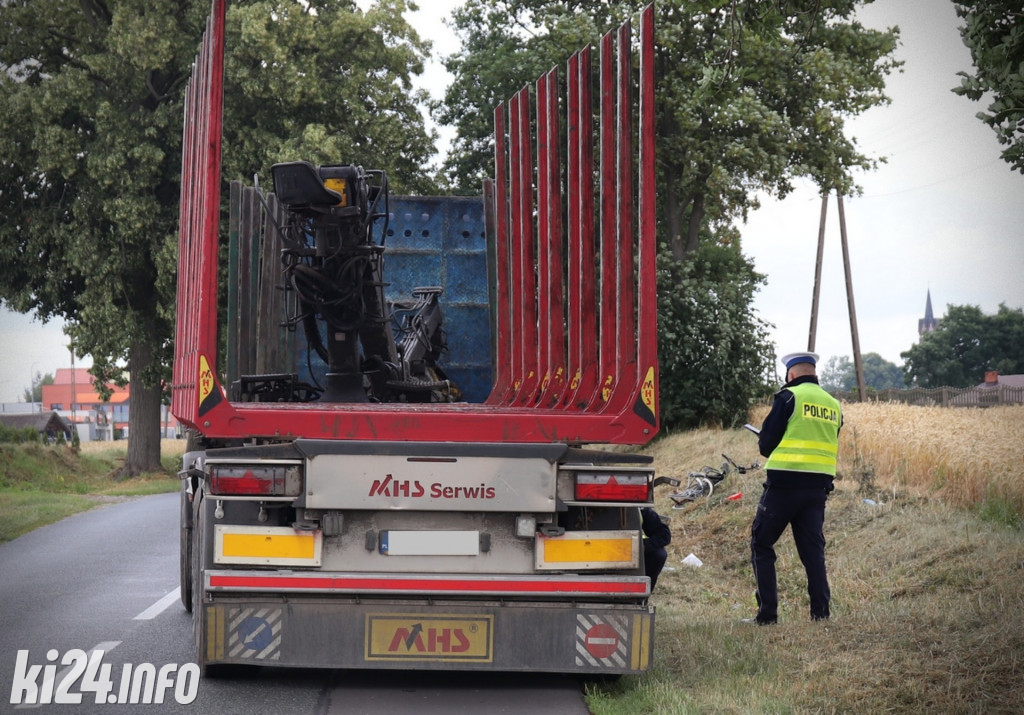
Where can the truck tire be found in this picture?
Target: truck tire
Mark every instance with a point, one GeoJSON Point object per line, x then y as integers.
{"type": "Point", "coordinates": [199, 519]}
{"type": "Point", "coordinates": [185, 553]}
{"type": "Point", "coordinates": [197, 582]}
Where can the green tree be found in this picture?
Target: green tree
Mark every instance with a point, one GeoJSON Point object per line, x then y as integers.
{"type": "Point", "coordinates": [34, 392]}
{"type": "Point", "coordinates": [750, 94]}
{"type": "Point", "coordinates": [505, 45]}
{"type": "Point", "coordinates": [993, 30]}
{"type": "Point", "coordinates": [90, 150]}
{"type": "Point", "coordinates": [880, 374]}
{"type": "Point", "coordinates": [324, 82]}
{"type": "Point", "coordinates": [715, 353]}
{"type": "Point", "coordinates": [89, 164]}
{"type": "Point", "coordinates": [839, 374]}
{"type": "Point", "coordinates": [966, 344]}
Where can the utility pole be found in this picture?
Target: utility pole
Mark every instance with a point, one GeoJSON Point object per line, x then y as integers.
{"type": "Point", "coordinates": [857, 361]}
{"type": "Point", "coordinates": [817, 275]}
{"type": "Point", "coordinates": [858, 364]}
{"type": "Point", "coordinates": [74, 396]}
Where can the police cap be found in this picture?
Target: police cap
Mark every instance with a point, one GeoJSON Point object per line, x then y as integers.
{"type": "Point", "coordinates": [795, 358]}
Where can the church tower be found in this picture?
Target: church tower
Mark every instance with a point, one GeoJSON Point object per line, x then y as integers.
{"type": "Point", "coordinates": [928, 323]}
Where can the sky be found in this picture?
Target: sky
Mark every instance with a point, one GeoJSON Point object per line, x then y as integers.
{"type": "Point", "coordinates": [945, 213]}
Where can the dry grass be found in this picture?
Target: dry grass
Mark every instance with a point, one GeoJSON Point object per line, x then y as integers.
{"type": "Point", "coordinates": [928, 598]}
{"type": "Point", "coordinates": [168, 447]}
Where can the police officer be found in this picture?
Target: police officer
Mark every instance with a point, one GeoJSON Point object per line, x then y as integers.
{"type": "Point", "coordinates": [800, 437]}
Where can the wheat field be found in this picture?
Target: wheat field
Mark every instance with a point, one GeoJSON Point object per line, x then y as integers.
{"type": "Point", "coordinates": [966, 456]}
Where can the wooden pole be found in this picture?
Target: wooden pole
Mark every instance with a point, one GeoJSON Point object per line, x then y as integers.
{"type": "Point", "coordinates": [857, 362]}
{"type": "Point", "coordinates": [812, 334]}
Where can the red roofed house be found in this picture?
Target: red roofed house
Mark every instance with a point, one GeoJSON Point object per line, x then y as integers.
{"type": "Point", "coordinates": [1001, 389]}
{"type": "Point", "coordinates": [74, 396]}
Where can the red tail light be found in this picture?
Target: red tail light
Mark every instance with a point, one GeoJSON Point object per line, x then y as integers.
{"type": "Point", "coordinates": [255, 479]}
{"type": "Point", "coordinates": [611, 486]}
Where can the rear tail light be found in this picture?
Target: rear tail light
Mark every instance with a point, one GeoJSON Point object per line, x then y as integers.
{"type": "Point", "coordinates": [612, 486]}
{"type": "Point", "coordinates": [255, 479]}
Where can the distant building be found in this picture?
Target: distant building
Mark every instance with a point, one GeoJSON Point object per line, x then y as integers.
{"type": "Point", "coordinates": [50, 425]}
{"type": "Point", "coordinates": [20, 408]}
{"type": "Point", "coordinates": [928, 323]}
{"type": "Point", "coordinates": [993, 380]}
{"type": "Point", "coordinates": [996, 390]}
{"type": "Point", "coordinates": [74, 396]}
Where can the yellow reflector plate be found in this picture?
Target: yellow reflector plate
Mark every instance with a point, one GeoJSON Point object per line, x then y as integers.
{"type": "Point", "coordinates": [589, 550]}
{"type": "Point", "coordinates": [267, 545]}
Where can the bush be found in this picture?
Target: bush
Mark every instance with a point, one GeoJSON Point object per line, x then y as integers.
{"type": "Point", "coordinates": [13, 435]}
{"type": "Point", "coordinates": [715, 354]}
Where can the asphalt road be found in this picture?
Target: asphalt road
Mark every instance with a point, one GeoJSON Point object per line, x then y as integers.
{"type": "Point", "coordinates": [107, 580]}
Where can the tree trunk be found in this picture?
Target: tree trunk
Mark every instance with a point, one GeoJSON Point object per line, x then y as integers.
{"type": "Point", "coordinates": [696, 220]}
{"type": "Point", "coordinates": [675, 210]}
{"type": "Point", "coordinates": [143, 416]}
{"type": "Point", "coordinates": [674, 220]}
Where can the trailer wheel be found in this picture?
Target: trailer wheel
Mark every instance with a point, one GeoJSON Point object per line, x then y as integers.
{"type": "Point", "coordinates": [199, 519]}
{"type": "Point", "coordinates": [198, 623]}
{"type": "Point", "coordinates": [185, 553]}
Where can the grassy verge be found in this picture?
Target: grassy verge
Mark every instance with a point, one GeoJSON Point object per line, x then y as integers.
{"type": "Point", "coordinates": [927, 582]}
{"type": "Point", "coordinates": [42, 484]}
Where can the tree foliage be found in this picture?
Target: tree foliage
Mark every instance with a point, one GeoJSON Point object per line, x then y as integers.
{"type": "Point", "coordinates": [715, 354]}
{"type": "Point", "coordinates": [966, 344]}
{"type": "Point", "coordinates": [750, 94]}
{"type": "Point", "coordinates": [324, 82]}
{"type": "Point", "coordinates": [754, 95]}
{"type": "Point", "coordinates": [993, 30]}
{"type": "Point", "coordinates": [504, 46]}
{"type": "Point", "coordinates": [89, 164]}
{"type": "Point", "coordinates": [90, 150]}
{"type": "Point", "coordinates": [34, 393]}
{"type": "Point", "coordinates": [839, 374]}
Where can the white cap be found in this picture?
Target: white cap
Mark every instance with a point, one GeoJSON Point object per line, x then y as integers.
{"type": "Point", "coordinates": [795, 358]}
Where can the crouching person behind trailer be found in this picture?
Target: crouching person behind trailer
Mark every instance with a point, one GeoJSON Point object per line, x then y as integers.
{"type": "Point", "coordinates": [657, 536]}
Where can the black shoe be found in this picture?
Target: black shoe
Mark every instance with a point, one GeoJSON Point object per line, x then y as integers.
{"type": "Point", "coordinates": [759, 622]}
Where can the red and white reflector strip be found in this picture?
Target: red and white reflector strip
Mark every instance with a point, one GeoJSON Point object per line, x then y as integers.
{"type": "Point", "coordinates": [429, 584]}
{"type": "Point", "coordinates": [613, 487]}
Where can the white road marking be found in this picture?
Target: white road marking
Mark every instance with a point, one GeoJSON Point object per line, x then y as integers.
{"type": "Point", "coordinates": [159, 607]}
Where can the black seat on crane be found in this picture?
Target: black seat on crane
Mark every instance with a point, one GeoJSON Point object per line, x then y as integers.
{"type": "Point", "coordinates": [298, 185]}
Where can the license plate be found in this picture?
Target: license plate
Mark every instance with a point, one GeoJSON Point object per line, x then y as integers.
{"type": "Point", "coordinates": [430, 543]}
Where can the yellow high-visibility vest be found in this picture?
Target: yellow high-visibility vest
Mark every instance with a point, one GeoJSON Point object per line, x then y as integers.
{"type": "Point", "coordinates": [811, 441]}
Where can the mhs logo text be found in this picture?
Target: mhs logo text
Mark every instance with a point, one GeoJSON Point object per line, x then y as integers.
{"type": "Point", "coordinates": [412, 488]}
{"type": "Point", "coordinates": [431, 640]}
{"type": "Point", "coordinates": [391, 487]}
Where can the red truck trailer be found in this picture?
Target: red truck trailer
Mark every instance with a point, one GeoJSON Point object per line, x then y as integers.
{"type": "Point", "coordinates": [346, 504]}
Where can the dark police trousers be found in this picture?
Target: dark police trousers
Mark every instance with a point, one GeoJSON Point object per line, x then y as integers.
{"type": "Point", "coordinates": [804, 510]}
